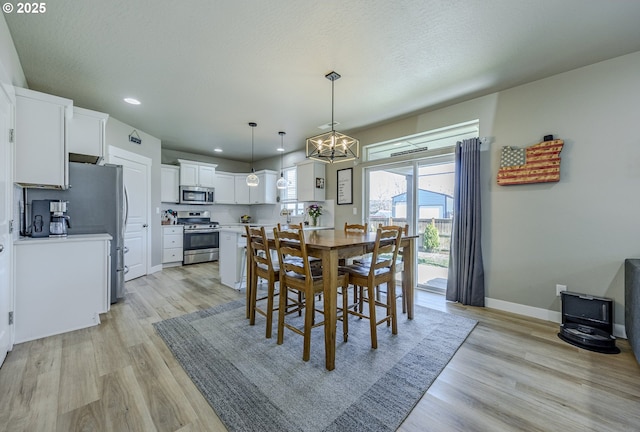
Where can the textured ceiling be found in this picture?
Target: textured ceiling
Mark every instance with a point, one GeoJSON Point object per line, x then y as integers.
{"type": "Point", "coordinates": [204, 69]}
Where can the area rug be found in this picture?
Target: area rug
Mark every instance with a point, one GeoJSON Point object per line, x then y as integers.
{"type": "Point", "coordinates": [253, 384]}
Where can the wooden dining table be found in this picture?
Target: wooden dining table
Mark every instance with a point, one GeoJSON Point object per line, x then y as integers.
{"type": "Point", "coordinates": [332, 245]}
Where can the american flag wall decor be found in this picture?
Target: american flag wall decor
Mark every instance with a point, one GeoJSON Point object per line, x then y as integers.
{"type": "Point", "coordinates": [539, 163]}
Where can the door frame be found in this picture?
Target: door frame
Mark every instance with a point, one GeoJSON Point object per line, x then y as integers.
{"type": "Point", "coordinates": [135, 157]}
{"type": "Point", "coordinates": [7, 92]}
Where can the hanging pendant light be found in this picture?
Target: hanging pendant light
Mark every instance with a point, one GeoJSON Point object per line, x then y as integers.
{"type": "Point", "coordinates": [333, 146]}
{"type": "Point", "coordinates": [282, 182]}
{"type": "Point", "coordinates": [252, 179]}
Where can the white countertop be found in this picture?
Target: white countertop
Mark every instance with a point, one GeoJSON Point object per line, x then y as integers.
{"type": "Point", "coordinates": [69, 238]}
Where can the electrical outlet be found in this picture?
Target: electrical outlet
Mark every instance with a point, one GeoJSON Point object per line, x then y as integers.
{"type": "Point", "coordinates": [560, 288]}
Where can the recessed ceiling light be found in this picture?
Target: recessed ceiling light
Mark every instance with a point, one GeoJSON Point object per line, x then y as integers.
{"type": "Point", "coordinates": [132, 101]}
{"type": "Point", "coordinates": [217, 150]}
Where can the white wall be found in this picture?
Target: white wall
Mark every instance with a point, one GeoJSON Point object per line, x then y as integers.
{"type": "Point", "coordinates": [9, 60]}
{"type": "Point", "coordinates": [576, 232]}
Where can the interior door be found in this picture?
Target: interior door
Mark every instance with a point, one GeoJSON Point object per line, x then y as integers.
{"type": "Point", "coordinates": [6, 298]}
{"type": "Point", "coordinates": [135, 173]}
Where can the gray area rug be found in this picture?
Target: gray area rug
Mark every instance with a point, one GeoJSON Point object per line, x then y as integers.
{"type": "Point", "coordinates": [254, 384]}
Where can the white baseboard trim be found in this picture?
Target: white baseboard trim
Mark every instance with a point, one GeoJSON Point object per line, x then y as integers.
{"type": "Point", "coordinates": [155, 269]}
{"type": "Point", "coordinates": [543, 314]}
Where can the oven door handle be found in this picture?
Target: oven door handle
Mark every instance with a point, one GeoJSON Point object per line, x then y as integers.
{"type": "Point", "coordinates": [203, 231]}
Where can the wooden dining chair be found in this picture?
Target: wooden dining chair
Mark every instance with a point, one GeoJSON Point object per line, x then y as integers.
{"type": "Point", "coordinates": [399, 266]}
{"type": "Point", "coordinates": [359, 229]}
{"type": "Point", "coordinates": [296, 274]}
{"type": "Point", "coordinates": [380, 270]}
{"type": "Point", "coordinates": [262, 266]}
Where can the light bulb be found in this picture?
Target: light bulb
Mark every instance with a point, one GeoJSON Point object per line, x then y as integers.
{"type": "Point", "coordinates": [253, 180]}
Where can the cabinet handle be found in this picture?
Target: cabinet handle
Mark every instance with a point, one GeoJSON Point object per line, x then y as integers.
{"type": "Point", "coordinates": [1, 247]}
{"type": "Point", "coordinates": [144, 225]}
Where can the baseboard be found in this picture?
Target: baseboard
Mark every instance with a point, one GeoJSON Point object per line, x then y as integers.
{"type": "Point", "coordinates": [539, 313]}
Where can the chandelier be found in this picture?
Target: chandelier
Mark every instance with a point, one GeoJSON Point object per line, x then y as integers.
{"type": "Point", "coordinates": [333, 146]}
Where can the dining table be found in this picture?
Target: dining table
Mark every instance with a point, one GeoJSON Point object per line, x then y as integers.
{"type": "Point", "coordinates": [330, 246]}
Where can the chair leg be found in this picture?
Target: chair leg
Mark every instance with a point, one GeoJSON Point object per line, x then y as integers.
{"type": "Point", "coordinates": [309, 312]}
{"type": "Point", "coordinates": [270, 295]}
{"type": "Point", "coordinates": [282, 310]}
{"type": "Point", "coordinates": [372, 317]}
{"type": "Point", "coordinates": [254, 295]}
{"type": "Point", "coordinates": [345, 312]}
{"type": "Point", "coordinates": [391, 301]}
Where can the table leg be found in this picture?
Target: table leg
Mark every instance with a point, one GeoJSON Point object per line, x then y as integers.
{"type": "Point", "coordinates": [408, 275]}
{"type": "Point", "coordinates": [330, 278]}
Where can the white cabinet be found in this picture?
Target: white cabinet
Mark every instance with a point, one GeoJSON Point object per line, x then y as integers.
{"type": "Point", "coordinates": [86, 135]}
{"type": "Point", "coordinates": [232, 257]}
{"type": "Point", "coordinates": [241, 189]}
{"type": "Point", "coordinates": [225, 188]}
{"type": "Point", "coordinates": [62, 284]}
{"type": "Point", "coordinates": [172, 238]}
{"type": "Point", "coordinates": [307, 186]}
{"type": "Point", "coordinates": [41, 153]}
{"type": "Point", "coordinates": [169, 183]}
{"type": "Point", "coordinates": [194, 173]}
{"type": "Point", "coordinates": [266, 191]}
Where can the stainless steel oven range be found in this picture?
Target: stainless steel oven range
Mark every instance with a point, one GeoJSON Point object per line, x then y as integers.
{"type": "Point", "coordinates": [201, 241]}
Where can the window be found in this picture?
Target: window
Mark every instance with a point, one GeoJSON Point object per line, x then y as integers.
{"type": "Point", "coordinates": [431, 140]}
{"type": "Point", "coordinates": [289, 193]}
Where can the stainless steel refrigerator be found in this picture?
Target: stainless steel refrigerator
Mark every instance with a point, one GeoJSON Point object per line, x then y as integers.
{"type": "Point", "coordinates": [97, 204]}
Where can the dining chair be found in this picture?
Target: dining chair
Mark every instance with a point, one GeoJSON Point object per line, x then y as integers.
{"type": "Point", "coordinates": [262, 266]}
{"type": "Point", "coordinates": [399, 265]}
{"type": "Point", "coordinates": [298, 275]}
{"type": "Point", "coordinates": [380, 270]}
{"type": "Point", "coordinates": [359, 229]}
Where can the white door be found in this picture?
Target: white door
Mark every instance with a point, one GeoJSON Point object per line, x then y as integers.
{"type": "Point", "coordinates": [5, 216]}
{"type": "Point", "coordinates": [136, 174]}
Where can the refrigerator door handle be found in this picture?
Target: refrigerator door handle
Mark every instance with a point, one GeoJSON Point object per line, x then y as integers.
{"type": "Point", "coordinates": [126, 207]}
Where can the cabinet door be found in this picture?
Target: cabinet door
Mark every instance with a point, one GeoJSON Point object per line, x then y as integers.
{"type": "Point", "coordinates": [306, 175]}
{"type": "Point", "coordinates": [241, 189]}
{"type": "Point", "coordinates": [169, 184]}
{"type": "Point", "coordinates": [41, 157]}
{"type": "Point", "coordinates": [206, 176]}
{"type": "Point", "coordinates": [225, 186]}
{"type": "Point", "coordinates": [265, 192]}
{"type": "Point", "coordinates": [188, 174]}
{"type": "Point", "coordinates": [85, 134]}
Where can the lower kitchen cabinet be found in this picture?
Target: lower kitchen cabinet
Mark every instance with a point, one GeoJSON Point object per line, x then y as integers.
{"type": "Point", "coordinates": [172, 252]}
{"type": "Point", "coordinates": [62, 284]}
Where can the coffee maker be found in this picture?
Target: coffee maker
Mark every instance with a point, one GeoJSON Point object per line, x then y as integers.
{"type": "Point", "coordinates": [59, 220]}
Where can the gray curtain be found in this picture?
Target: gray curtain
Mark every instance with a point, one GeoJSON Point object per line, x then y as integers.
{"type": "Point", "coordinates": [465, 283]}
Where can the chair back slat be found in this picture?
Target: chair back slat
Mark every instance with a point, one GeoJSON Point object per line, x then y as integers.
{"type": "Point", "coordinates": [355, 227]}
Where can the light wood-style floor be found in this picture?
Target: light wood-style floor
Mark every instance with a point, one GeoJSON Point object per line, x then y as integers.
{"type": "Point", "coordinates": [512, 373]}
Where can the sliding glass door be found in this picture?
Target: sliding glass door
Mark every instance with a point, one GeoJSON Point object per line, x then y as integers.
{"type": "Point", "coordinates": [420, 194]}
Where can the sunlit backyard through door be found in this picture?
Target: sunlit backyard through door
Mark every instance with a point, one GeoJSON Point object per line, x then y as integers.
{"type": "Point", "coordinates": [396, 196]}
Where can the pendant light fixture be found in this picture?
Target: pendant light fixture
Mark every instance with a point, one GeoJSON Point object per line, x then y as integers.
{"type": "Point", "coordinates": [252, 179]}
{"type": "Point", "coordinates": [333, 146]}
{"type": "Point", "coordinates": [282, 183]}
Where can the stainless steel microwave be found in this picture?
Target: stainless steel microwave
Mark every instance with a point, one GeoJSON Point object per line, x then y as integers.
{"type": "Point", "coordinates": [196, 195]}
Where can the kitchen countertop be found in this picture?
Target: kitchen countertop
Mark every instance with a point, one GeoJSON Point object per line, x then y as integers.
{"type": "Point", "coordinates": [239, 229]}
{"type": "Point", "coordinates": [67, 239]}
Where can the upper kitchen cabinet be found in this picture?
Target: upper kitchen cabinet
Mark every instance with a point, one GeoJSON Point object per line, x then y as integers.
{"type": "Point", "coordinates": [194, 173]}
{"type": "Point", "coordinates": [225, 188]}
{"type": "Point", "coordinates": [86, 135]}
{"type": "Point", "coordinates": [266, 191]}
{"type": "Point", "coordinates": [241, 189]}
{"type": "Point", "coordinates": [310, 180]}
{"type": "Point", "coordinates": [41, 151]}
{"type": "Point", "coordinates": [169, 183]}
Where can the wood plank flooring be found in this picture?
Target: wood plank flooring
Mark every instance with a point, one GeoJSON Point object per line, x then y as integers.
{"type": "Point", "coordinates": [511, 374]}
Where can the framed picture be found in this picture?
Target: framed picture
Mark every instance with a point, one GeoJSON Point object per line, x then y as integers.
{"type": "Point", "coordinates": [345, 186]}
{"type": "Point", "coordinates": [319, 183]}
